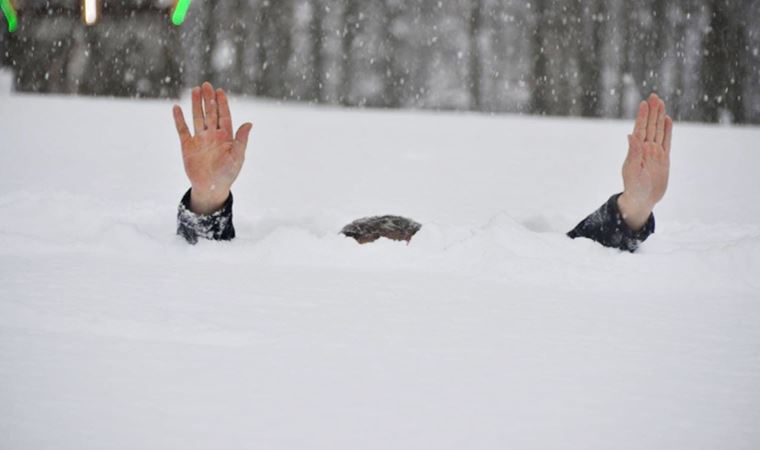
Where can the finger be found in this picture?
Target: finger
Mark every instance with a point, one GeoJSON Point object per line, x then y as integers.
{"type": "Point", "coordinates": [654, 106]}
{"type": "Point", "coordinates": [631, 150]}
{"type": "Point", "coordinates": [650, 151]}
{"type": "Point", "coordinates": [242, 135]}
{"type": "Point", "coordinates": [209, 105]}
{"type": "Point", "coordinates": [659, 133]}
{"type": "Point", "coordinates": [225, 118]}
{"type": "Point", "coordinates": [640, 129]}
{"type": "Point", "coordinates": [634, 147]}
{"type": "Point", "coordinates": [179, 122]}
{"type": "Point", "coordinates": [668, 134]}
{"type": "Point", "coordinates": [198, 119]}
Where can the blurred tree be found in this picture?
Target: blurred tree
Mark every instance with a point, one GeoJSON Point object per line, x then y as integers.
{"type": "Point", "coordinates": [655, 45]}
{"type": "Point", "coordinates": [393, 76]}
{"type": "Point", "coordinates": [738, 74]}
{"type": "Point", "coordinates": [350, 28]}
{"type": "Point", "coordinates": [722, 69]}
{"type": "Point", "coordinates": [590, 56]}
{"type": "Point", "coordinates": [540, 76]}
{"type": "Point", "coordinates": [586, 57]}
{"type": "Point", "coordinates": [132, 51]}
{"type": "Point", "coordinates": [4, 53]}
{"type": "Point", "coordinates": [317, 60]}
{"type": "Point", "coordinates": [475, 72]}
{"type": "Point", "coordinates": [208, 43]}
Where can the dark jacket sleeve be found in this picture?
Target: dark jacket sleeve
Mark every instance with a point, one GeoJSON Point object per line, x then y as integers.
{"type": "Point", "coordinates": [607, 227]}
{"type": "Point", "coordinates": [215, 226]}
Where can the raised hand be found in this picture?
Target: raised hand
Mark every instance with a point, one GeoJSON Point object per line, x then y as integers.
{"type": "Point", "coordinates": [212, 157]}
{"type": "Point", "coordinates": [647, 166]}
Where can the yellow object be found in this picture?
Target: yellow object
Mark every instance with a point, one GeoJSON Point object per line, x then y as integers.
{"type": "Point", "coordinates": [90, 11]}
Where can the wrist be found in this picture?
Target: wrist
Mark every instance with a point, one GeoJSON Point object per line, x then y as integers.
{"type": "Point", "coordinates": [634, 212]}
{"type": "Point", "coordinates": [207, 201]}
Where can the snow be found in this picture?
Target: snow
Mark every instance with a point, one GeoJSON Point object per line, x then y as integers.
{"type": "Point", "coordinates": [490, 330]}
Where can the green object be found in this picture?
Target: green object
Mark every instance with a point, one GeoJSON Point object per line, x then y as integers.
{"type": "Point", "coordinates": [180, 12]}
{"type": "Point", "coordinates": [10, 14]}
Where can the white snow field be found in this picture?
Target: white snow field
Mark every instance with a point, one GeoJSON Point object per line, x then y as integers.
{"type": "Point", "coordinates": [491, 330]}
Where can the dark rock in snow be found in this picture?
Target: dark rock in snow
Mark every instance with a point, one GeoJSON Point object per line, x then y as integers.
{"type": "Point", "coordinates": [369, 229]}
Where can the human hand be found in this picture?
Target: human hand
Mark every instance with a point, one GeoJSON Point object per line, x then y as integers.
{"type": "Point", "coordinates": [212, 157]}
{"type": "Point", "coordinates": [647, 165]}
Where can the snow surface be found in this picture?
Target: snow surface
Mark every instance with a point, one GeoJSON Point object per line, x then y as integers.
{"type": "Point", "coordinates": [491, 330]}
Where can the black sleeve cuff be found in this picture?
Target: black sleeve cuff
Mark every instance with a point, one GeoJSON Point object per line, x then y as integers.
{"type": "Point", "coordinates": [607, 227]}
{"type": "Point", "coordinates": [216, 226]}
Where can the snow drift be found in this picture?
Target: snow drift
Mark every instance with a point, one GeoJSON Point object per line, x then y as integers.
{"type": "Point", "coordinates": [491, 330]}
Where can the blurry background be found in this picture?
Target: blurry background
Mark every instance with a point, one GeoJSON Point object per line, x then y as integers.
{"type": "Point", "coordinates": [579, 57]}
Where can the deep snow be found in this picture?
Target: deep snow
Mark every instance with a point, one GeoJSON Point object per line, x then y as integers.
{"type": "Point", "coordinates": [491, 330]}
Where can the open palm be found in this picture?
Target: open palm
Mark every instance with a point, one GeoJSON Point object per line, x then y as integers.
{"type": "Point", "coordinates": [212, 157]}
{"type": "Point", "coordinates": [647, 166]}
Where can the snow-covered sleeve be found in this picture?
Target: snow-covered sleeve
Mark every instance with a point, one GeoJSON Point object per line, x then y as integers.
{"type": "Point", "coordinates": [216, 226]}
{"type": "Point", "coordinates": [607, 227]}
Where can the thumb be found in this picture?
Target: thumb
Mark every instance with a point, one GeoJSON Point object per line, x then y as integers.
{"type": "Point", "coordinates": [242, 134]}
